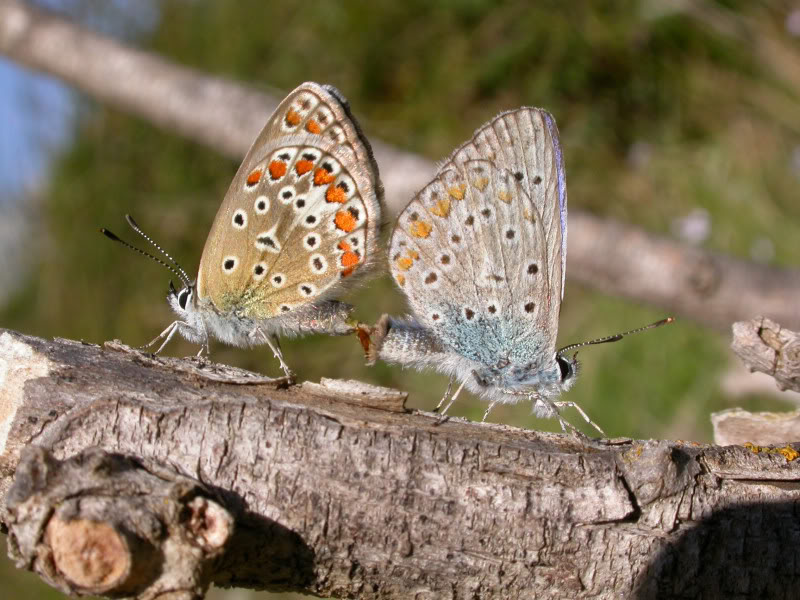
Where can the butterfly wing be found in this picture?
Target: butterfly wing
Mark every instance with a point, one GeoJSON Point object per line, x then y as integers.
{"type": "Point", "coordinates": [301, 214]}
{"type": "Point", "coordinates": [475, 254]}
{"type": "Point", "coordinates": [525, 142]}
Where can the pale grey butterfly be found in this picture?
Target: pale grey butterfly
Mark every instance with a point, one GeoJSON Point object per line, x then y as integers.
{"type": "Point", "coordinates": [481, 253]}
{"type": "Point", "coordinates": [300, 218]}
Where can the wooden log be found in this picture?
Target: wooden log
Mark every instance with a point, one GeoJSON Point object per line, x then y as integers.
{"type": "Point", "coordinates": [357, 498]}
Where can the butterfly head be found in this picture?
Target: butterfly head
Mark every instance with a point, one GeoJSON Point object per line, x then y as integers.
{"type": "Point", "coordinates": [568, 368]}
{"type": "Point", "coordinates": [184, 304]}
{"type": "Point", "coordinates": [183, 301]}
{"type": "Point", "coordinates": [548, 380]}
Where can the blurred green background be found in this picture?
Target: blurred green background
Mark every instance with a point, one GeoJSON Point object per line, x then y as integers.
{"type": "Point", "coordinates": [682, 117]}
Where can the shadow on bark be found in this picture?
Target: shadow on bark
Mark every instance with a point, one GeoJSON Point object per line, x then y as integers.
{"type": "Point", "coordinates": [260, 543]}
{"type": "Point", "coordinates": [736, 553]}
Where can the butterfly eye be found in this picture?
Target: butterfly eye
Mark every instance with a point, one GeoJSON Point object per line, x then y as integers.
{"type": "Point", "coordinates": [566, 367]}
{"type": "Point", "coordinates": [183, 297]}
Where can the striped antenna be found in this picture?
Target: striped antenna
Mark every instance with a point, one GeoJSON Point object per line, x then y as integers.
{"type": "Point", "coordinates": [617, 337]}
{"type": "Point", "coordinates": [135, 226]}
{"type": "Point", "coordinates": [179, 273]}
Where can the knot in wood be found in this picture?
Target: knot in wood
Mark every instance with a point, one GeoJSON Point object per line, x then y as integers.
{"type": "Point", "coordinates": [92, 555]}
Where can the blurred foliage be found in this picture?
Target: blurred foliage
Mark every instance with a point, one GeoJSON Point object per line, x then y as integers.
{"type": "Point", "coordinates": [661, 111]}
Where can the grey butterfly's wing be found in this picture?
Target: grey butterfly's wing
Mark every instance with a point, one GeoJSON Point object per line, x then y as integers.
{"type": "Point", "coordinates": [525, 141]}
{"type": "Point", "coordinates": [301, 215]}
{"type": "Point", "coordinates": [479, 262]}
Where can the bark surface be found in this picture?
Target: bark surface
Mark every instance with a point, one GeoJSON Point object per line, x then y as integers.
{"type": "Point", "coordinates": [216, 475]}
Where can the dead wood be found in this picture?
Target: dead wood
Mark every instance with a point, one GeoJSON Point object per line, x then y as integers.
{"type": "Point", "coordinates": [765, 346]}
{"type": "Point", "coordinates": [739, 426]}
{"type": "Point", "coordinates": [225, 115]}
{"type": "Point", "coordinates": [124, 474]}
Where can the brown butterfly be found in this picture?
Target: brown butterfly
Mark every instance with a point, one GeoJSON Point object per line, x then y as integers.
{"type": "Point", "coordinates": [299, 221]}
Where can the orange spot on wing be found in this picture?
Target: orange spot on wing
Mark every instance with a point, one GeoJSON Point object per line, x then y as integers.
{"type": "Point", "coordinates": [457, 191]}
{"type": "Point", "coordinates": [441, 208]}
{"type": "Point", "coordinates": [321, 177]}
{"type": "Point", "coordinates": [313, 127]}
{"type": "Point", "coordinates": [420, 229]}
{"type": "Point", "coordinates": [344, 221]}
{"type": "Point", "coordinates": [292, 118]}
{"type": "Point", "coordinates": [303, 166]}
{"type": "Point", "coordinates": [407, 261]}
{"type": "Point", "coordinates": [349, 259]}
{"type": "Point", "coordinates": [401, 279]}
{"type": "Point", "coordinates": [254, 177]}
{"type": "Point", "coordinates": [347, 272]}
{"type": "Point", "coordinates": [481, 183]}
{"type": "Point", "coordinates": [277, 169]}
{"type": "Point", "coordinates": [335, 194]}
{"type": "Point", "coordinates": [505, 196]}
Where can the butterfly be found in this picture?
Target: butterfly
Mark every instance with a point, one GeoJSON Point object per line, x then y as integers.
{"type": "Point", "coordinates": [299, 221]}
{"type": "Point", "coordinates": [480, 253]}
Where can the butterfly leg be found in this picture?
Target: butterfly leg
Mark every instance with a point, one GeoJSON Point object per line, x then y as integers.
{"type": "Point", "coordinates": [565, 425]}
{"type": "Point", "coordinates": [168, 333]}
{"type": "Point", "coordinates": [486, 414]}
{"type": "Point", "coordinates": [555, 413]}
{"type": "Point", "coordinates": [442, 415]}
{"type": "Point", "coordinates": [274, 345]}
{"type": "Point", "coordinates": [204, 349]}
{"type": "Point", "coordinates": [446, 394]}
{"type": "Point", "coordinates": [561, 404]}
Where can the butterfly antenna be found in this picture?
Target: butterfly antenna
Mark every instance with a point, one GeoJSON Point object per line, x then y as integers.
{"type": "Point", "coordinates": [617, 337]}
{"type": "Point", "coordinates": [179, 274]}
{"type": "Point", "coordinates": [135, 226]}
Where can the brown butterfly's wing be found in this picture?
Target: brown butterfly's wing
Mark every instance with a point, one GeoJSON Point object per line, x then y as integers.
{"type": "Point", "coordinates": [301, 215]}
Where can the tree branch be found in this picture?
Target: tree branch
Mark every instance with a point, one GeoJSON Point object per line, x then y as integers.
{"type": "Point", "coordinates": [104, 523]}
{"type": "Point", "coordinates": [618, 259]}
{"type": "Point", "coordinates": [765, 346]}
{"type": "Point", "coordinates": [151, 457]}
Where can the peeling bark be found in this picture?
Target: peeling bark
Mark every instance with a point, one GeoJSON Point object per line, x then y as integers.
{"type": "Point", "coordinates": [358, 498]}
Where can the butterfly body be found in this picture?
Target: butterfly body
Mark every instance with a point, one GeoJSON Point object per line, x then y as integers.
{"type": "Point", "coordinates": [499, 374]}
{"type": "Point", "coordinates": [480, 253]}
{"type": "Point", "coordinates": [200, 319]}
